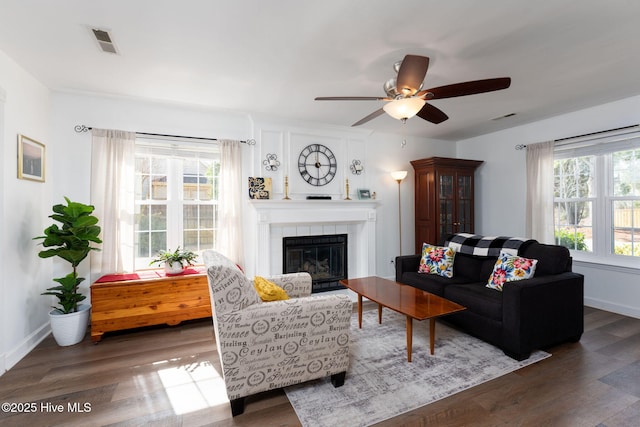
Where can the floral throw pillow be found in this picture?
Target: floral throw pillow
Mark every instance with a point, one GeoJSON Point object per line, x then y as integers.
{"type": "Point", "coordinates": [509, 268]}
{"type": "Point", "coordinates": [437, 260]}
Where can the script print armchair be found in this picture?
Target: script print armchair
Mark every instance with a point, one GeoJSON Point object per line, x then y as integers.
{"type": "Point", "coordinates": [269, 345]}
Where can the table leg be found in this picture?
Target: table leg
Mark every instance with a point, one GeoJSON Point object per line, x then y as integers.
{"type": "Point", "coordinates": [409, 337]}
{"type": "Point", "coordinates": [359, 311]}
{"type": "Point", "coordinates": [380, 314]}
{"type": "Point", "coordinates": [432, 334]}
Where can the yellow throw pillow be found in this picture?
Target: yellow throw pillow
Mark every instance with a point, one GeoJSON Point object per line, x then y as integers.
{"type": "Point", "coordinates": [268, 290]}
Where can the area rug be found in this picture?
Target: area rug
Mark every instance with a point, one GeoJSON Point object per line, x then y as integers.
{"type": "Point", "coordinates": [381, 384]}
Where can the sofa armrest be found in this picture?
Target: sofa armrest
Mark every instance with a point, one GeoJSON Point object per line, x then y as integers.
{"type": "Point", "coordinates": [296, 285]}
{"type": "Point", "coordinates": [406, 263]}
{"type": "Point", "coordinates": [542, 311]}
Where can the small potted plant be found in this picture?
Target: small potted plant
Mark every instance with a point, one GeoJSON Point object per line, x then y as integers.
{"type": "Point", "coordinates": [174, 262]}
{"type": "Point", "coordinates": [71, 242]}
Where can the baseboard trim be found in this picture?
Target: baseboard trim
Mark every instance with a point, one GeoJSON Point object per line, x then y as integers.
{"type": "Point", "coordinates": [613, 307]}
{"type": "Point", "coordinates": [21, 350]}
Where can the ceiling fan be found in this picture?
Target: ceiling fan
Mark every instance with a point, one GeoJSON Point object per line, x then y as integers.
{"type": "Point", "coordinates": [406, 98]}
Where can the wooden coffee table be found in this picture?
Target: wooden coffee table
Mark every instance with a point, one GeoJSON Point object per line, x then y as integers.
{"type": "Point", "coordinates": [412, 302]}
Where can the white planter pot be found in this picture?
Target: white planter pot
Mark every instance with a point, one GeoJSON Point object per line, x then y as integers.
{"type": "Point", "coordinates": [173, 268]}
{"type": "Point", "coordinates": [69, 329]}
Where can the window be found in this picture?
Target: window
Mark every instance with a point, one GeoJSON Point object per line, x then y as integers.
{"type": "Point", "coordinates": [176, 193]}
{"type": "Point", "coordinates": [597, 196]}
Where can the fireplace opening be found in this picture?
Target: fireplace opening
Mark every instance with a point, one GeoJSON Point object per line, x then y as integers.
{"type": "Point", "coordinates": [323, 257]}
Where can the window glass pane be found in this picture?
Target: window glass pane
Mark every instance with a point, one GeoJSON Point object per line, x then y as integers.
{"type": "Point", "coordinates": [206, 180]}
{"type": "Point", "coordinates": [158, 217]}
{"type": "Point", "coordinates": [191, 240]}
{"type": "Point", "coordinates": [158, 242]}
{"type": "Point", "coordinates": [142, 217]}
{"type": "Point", "coordinates": [626, 174]}
{"type": "Point", "coordinates": [159, 187]}
{"type": "Point", "coordinates": [159, 166]}
{"type": "Point", "coordinates": [626, 228]}
{"type": "Point", "coordinates": [142, 245]}
{"type": "Point", "coordinates": [206, 239]}
{"type": "Point", "coordinates": [574, 225]}
{"type": "Point", "coordinates": [206, 216]}
{"type": "Point", "coordinates": [574, 177]}
{"type": "Point", "coordinates": [190, 217]}
{"type": "Point", "coordinates": [190, 180]}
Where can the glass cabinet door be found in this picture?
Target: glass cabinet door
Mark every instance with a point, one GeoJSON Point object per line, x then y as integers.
{"type": "Point", "coordinates": [464, 205]}
{"type": "Point", "coordinates": [446, 203]}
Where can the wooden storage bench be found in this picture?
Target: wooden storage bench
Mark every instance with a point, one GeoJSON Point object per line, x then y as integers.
{"type": "Point", "coordinates": [146, 299]}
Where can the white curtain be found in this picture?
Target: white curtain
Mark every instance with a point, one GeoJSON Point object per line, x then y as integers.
{"type": "Point", "coordinates": [112, 188]}
{"type": "Point", "coordinates": [539, 204]}
{"type": "Point", "coordinates": [229, 239]}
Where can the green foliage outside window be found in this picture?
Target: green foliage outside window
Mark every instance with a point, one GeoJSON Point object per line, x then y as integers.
{"type": "Point", "coordinates": [571, 240]}
{"type": "Point", "coordinates": [627, 249]}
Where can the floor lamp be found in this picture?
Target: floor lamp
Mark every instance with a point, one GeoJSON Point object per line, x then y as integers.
{"type": "Point", "coordinates": [399, 176]}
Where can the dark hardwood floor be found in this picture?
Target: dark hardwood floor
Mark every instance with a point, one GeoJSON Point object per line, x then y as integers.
{"type": "Point", "coordinates": [169, 377]}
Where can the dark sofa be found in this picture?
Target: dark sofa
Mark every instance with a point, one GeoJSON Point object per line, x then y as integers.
{"type": "Point", "coordinates": [526, 315]}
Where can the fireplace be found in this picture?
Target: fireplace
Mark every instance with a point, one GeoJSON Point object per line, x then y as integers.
{"type": "Point", "coordinates": [324, 257]}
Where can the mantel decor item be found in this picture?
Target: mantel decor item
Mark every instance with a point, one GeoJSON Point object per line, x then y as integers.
{"type": "Point", "coordinates": [271, 163]}
{"type": "Point", "coordinates": [347, 189]}
{"type": "Point", "coordinates": [286, 188]}
{"type": "Point", "coordinates": [174, 262]}
{"type": "Point", "coordinates": [31, 161]}
{"type": "Point", "coordinates": [356, 167]}
{"type": "Point", "coordinates": [259, 188]}
{"type": "Point", "coordinates": [364, 194]}
{"type": "Point", "coordinates": [317, 164]}
{"type": "Point", "coordinates": [71, 242]}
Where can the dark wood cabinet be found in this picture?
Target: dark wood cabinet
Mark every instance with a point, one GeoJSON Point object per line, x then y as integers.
{"type": "Point", "coordinates": [443, 198]}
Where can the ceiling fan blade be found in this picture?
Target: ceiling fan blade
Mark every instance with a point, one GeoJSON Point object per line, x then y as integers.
{"type": "Point", "coordinates": [369, 117]}
{"type": "Point", "coordinates": [432, 114]}
{"type": "Point", "coordinates": [351, 98]}
{"type": "Point", "coordinates": [411, 74]}
{"type": "Point", "coordinates": [467, 88]}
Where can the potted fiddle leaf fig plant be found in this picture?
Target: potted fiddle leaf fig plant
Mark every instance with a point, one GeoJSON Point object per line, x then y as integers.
{"type": "Point", "coordinates": [174, 262]}
{"type": "Point", "coordinates": [72, 241]}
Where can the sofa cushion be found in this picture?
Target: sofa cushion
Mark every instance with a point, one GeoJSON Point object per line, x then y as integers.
{"type": "Point", "coordinates": [476, 298]}
{"type": "Point", "coordinates": [431, 283]}
{"type": "Point", "coordinates": [472, 267]}
{"type": "Point", "coordinates": [552, 259]}
{"type": "Point", "coordinates": [510, 268]}
{"type": "Point", "coordinates": [437, 260]}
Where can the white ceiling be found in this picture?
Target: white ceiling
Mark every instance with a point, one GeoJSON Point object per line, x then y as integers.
{"type": "Point", "coordinates": [273, 57]}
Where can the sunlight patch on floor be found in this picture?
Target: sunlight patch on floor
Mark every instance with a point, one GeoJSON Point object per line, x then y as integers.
{"type": "Point", "coordinates": [193, 387]}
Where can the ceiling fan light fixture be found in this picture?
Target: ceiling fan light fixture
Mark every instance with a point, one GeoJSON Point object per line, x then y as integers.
{"type": "Point", "coordinates": [404, 108]}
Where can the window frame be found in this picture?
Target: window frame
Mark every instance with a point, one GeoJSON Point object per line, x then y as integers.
{"type": "Point", "coordinates": [603, 235]}
{"type": "Point", "coordinates": [176, 152]}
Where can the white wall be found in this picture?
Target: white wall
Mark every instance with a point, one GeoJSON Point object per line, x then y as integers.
{"type": "Point", "coordinates": [24, 207]}
{"type": "Point", "coordinates": [501, 184]}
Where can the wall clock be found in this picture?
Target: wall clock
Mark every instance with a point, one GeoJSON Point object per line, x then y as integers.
{"type": "Point", "coordinates": [317, 164]}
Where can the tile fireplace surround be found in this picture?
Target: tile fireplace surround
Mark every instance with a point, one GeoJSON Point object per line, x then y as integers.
{"type": "Point", "coordinates": [276, 219]}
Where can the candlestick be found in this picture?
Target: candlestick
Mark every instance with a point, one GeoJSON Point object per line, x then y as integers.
{"type": "Point", "coordinates": [347, 185]}
{"type": "Point", "coordinates": [286, 188]}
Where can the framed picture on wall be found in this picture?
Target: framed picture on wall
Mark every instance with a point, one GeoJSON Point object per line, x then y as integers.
{"type": "Point", "coordinates": [31, 159]}
{"type": "Point", "coordinates": [364, 194]}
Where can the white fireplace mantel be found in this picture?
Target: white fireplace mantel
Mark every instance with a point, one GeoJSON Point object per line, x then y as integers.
{"type": "Point", "coordinates": [276, 219]}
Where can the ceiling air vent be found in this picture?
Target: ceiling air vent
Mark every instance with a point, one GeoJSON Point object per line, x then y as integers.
{"type": "Point", "coordinates": [104, 40]}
